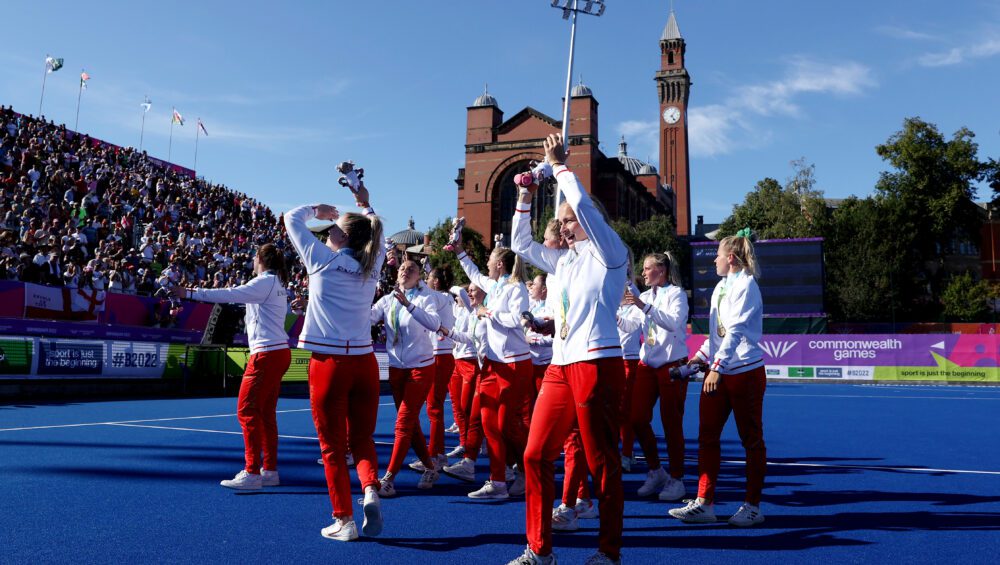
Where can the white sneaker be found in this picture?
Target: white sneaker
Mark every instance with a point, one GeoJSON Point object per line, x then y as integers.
{"type": "Point", "coordinates": [517, 488]}
{"type": "Point", "coordinates": [452, 429]}
{"type": "Point", "coordinates": [243, 481]}
{"type": "Point", "coordinates": [673, 490]}
{"type": "Point", "coordinates": [386, 487]}
{"type": "Point", "coordinates": [564, 519]}
{"type": "Point", "coordinates": [372, 506]}
{"type": "Point", "coordinates": [464, 470]}
{"type": "Point", "coordinates": [491, 490]}
{"type": "Point", "coordinates": [457, 452]}
{"type": "Point", "coordinates": [269, 478]}
{"type": "Point", "coordinates": [428, 479]}
{"type": "Point", "coordinates": [586, 509]}
{"type": "Point", "coordinates": [320, 461]}
{"type": "Point", "coordinates": [341, 530]}
{"type": "Point", "coordinates": [696, 512]}
{"type": "Point", "coordinates": [654, 482]}
{"type": "Point", "coordinates": [627, 464]}
{"type": "Point", "coordinates": [601, 559]}
{"type": "Point", "coordinates": [531, 558]}
{"type": "Point", "coordinates": [509, 474]}
{"type": "Point", "coordinates": [748, 515]}
{"type": "Point", "coordinates": [417, 466]}
{"type": "Point", "coordinates": [440, 461]}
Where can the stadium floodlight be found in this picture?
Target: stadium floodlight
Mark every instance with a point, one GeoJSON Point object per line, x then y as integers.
{"type": "Point", "coordinates": [572, 8]}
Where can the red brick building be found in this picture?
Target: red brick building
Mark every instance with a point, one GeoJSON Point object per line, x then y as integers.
{"type": "Point", "coordinates": [496, 149]}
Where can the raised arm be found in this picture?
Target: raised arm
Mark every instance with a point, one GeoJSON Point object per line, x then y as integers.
{"type": "Point", "coordinates": [606, 241]}
{"type": "Point", "coordinates": [483, 282]}
{"type": "Point", "coordinates": [524, 245]}
{"type": "Point", "coordinates": [254, 292]}
{"type": "Point", "coordinates": [311, 250]}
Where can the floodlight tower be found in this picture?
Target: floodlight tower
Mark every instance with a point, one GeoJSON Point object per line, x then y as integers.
{"type": "Point", "coordinates": [570, 8]}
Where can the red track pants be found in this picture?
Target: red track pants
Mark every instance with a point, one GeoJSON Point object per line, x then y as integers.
{"type": "Point", "coordinates": [627, 433]}
{"type": "Point", "coordinates": [444, 367]}
{"type": "Point", "coordinates": [743, 395]}
{"type": "Point", "coordinates": [471, 425]}
{"type": "Point", "coordinates": [588, 393]}
{"type": "Point", "coordinates": [344, 391]}
{"type": "Point", "coordinates": [256, 407]}
{"type": "Point", "coordinates": [503, 393]}
{"type": "Point", "coordinates": [409, 390]}
{"type": "Point", "coordinates": [650, 383]}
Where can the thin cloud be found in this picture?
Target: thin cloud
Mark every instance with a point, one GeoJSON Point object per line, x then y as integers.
{"type": "Point", "coordinates": [897, 32]}
{"type": "Point", "coordinates": [719, 129]}
{"type": "Point", "coordinates": [983, 49]}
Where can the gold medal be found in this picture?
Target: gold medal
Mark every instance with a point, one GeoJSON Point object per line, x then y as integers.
{"type": "Point", "coordinates": [564, 331]}
{"type": "Point", "coordinates": [650, 339]}
{"type": "Point", "coordinates": [721, 330]}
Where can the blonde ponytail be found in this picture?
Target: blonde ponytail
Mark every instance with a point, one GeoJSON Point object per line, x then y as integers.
{"type": "Point", "coordinates": [742, 249]}
{"type": "Point", "coordinates": [364, 236]}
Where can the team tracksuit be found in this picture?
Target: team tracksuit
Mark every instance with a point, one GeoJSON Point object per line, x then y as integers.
{"type": "Point", "coordinates": [266, 305]}
{"type": "Point", "coordinates": [737, 308]}
{"type": "Point", "coordinates": [584, 383]}
{"type": "Point", "coordinates": [343, 372]}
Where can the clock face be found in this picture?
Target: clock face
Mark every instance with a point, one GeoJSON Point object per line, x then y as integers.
{"type": "Point", "coordinates": [671, 114]}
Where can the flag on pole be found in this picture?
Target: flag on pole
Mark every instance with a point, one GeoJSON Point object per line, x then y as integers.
{"type": "Point", "coordinates": [146, 105]}
{"type": "Point", "coordinates": [201, 126]}
{"type": "Point", "coordinates": [52, 64]}
{"type": "Point", "coordinates": [84, 77]}
{"type": "Point", "coordinates": [178, 118]}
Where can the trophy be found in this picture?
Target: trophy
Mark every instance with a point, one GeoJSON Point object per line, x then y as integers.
{"type": "Point", "coordinates": [390, 252]}
{"type": "Point", "coordinates": [456, 235]}
{"type": "Point", "coordinates": [539, 173]}
{"type": "Point", "coordinates": [350, 176]}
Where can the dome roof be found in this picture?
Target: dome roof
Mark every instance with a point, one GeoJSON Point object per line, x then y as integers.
{"type": "Point", "coordinates": [581, 90]}
{"type": "Point", "coordinates": [485, 99]}
{"type": "Point", "coordinates": [631, 164]}
{"type": "Point", "coordinates": [409, 236]}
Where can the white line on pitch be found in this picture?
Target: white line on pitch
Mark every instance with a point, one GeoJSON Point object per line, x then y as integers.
{"type": "Point", "coordinates": [124, 425]}
{"type": "Point", "coordinates": [149, 420]}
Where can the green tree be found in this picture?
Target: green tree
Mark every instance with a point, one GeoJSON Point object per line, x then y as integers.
{"type": "Point", "coordinates": [471, 240]}
{"type": "Point", "coordinates": [654, 235]}
{"type": "Point", "coordinates": [965, 299]}
{"type": "Point", "coordinates": [773, 211]}
{"type": "Point", "coordinates": [862, 269]}
{"type": "Point", "coordinates": [928, 200]}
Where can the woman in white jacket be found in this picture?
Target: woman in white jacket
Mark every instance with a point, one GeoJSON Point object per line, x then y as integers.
{"type": "Point", "coordinates": [661, 313]}
{"type": "Point", "coordinates": [469, 336]}
{"type": "Point", "coordinates": [735, 382]}
{"type": "Point", "coordinates": [343, 372]}
{"type": "Point", "coordinates": [506, 374]}
{"type": "Point", "coordinates": [267, 303]}
{"type": "Point", "coordinates": [584, 383]}
{"type": "Point", "coordinates": [410, 317]}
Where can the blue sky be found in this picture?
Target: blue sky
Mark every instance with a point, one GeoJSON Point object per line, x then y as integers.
{"type": "Point", "coordinates": [287, 90]}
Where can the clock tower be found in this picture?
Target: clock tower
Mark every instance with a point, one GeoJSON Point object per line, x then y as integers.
{"type": "Point", "coordinates": [673, 84]}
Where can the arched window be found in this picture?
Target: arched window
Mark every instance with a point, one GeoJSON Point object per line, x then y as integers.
{"type": "Point", "coordinates": [505, 197]}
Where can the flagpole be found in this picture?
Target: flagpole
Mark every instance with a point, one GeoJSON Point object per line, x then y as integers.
{"type": "Point", "coordinates": [170, 143]}
{"type": "Point", "coordinates": [142, 128]}
{"type": "Point", "coordinates": [79, 95]}
{"type": "Point", "coordinates": [197, 131]}
{"type": "Point", "coordinates": [45, 75]}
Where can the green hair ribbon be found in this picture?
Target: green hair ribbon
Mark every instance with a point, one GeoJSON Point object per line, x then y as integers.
{"type": "Point", "coordinates": [745, 232]}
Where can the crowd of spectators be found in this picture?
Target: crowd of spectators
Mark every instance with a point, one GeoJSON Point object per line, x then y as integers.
{"type": "Point", "coordinates": [80, 213]}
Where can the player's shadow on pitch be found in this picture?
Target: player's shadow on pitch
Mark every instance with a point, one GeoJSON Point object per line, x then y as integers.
{"type": "Point", "coordinates": [445, 544]}
{"type": "Point", "coordinates": [812, 498]}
